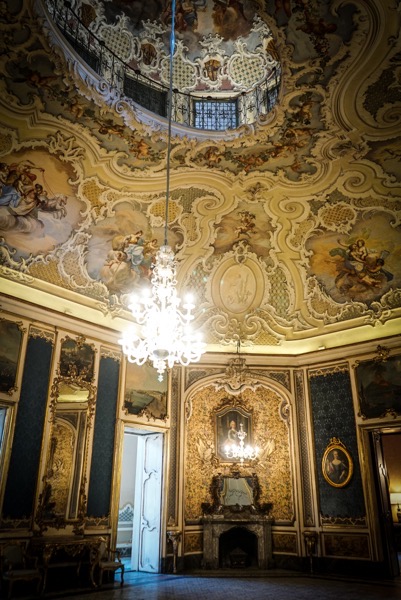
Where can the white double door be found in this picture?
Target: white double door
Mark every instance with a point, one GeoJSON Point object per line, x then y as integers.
{"type": "Point", "coordinates": [145, 555]}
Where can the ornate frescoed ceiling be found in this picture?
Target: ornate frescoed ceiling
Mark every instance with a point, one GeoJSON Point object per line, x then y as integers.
{"type": "Point", "coordinates": [287, 230]}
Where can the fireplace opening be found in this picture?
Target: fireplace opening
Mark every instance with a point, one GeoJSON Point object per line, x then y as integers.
{"type": "Point", "coordinates": [238, 549]}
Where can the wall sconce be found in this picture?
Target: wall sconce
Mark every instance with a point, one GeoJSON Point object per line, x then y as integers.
{"type": "Point", "coordinates": [395, 498]}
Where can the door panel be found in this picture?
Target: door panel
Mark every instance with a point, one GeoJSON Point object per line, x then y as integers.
{"type": "Point", "coordinates": [384, 505]}
{"type": "Point", "coordinates": [150, 518]}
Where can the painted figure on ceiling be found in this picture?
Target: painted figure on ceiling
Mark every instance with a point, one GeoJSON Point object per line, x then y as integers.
{"type": "Point", "coordinates": [130, 259]}
{"type": "Point", "coordinates": [22, 198]}
{"type": "Point", "coordinates": [361, 268]}
{"type": "Point", "coordinates": [230, 19]}
{"type": "Point", "coordinates": [247, 225]}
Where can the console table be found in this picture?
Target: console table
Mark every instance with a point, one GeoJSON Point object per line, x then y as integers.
{"type": "Point", "coordinates": [66, 551]}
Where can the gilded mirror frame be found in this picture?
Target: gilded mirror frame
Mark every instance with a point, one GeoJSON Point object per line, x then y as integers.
{"type": "Point", "coordinates": [63, 497]}
{"type": "Point", "coordinates": [337, 464]}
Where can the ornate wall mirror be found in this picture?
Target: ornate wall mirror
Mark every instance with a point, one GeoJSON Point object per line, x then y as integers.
{"type": "Point", "coordinates": [72, 402]}
{"type": "Point", "coordinates": [237, 491]}
{"type": "Point", "coordinates": [234, 492]}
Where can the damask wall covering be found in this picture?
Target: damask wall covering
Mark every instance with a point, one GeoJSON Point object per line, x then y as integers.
{"type": "Point", "coordinates": [333, 417]}
{"type": "Point", "coordinates": [271, 415]}
{"type": "Point", "coordinates": [19, 498]}
{"type": "Point", "coordinates": [101, 475]}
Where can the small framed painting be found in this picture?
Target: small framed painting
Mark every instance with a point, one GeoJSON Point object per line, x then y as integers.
{"type": "Point", "coordinates": [145, 396]}
{"type": "Point", "coordinates": [379, 387]}
{"type": "Point", "coordinates": [337, 465]}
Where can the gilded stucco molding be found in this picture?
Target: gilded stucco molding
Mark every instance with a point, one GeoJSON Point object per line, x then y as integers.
{"type": "Point", "coordinates": [193, 375]}
{"type": "Point", "coordinates": [237, 377]}
{"type": "Point", "coordinates": [343, 521]}
{"type": "Point", "coordinates": [377, 28]}
{"type": "Point", "coordinates": [44, 334]}
{"type": "Point", "coordinates": [15, 524]}
{"type": "Point", "coordinates": [281, 377]}
{"type": "Point", "coordinates": [306, 471]}
{"type": "Point", "coordinates": [18, 276]}
{"type": "Point", "coordinates": [110, 353]}
{"type": "Point", "coordinates": [381, 355]}
{"type": "Point", "coordinates": [326, 371]}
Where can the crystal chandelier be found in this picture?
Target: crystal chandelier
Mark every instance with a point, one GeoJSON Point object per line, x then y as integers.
{"type": "Point", "coordinates": [167, 337]}
{"type": "Point", "coordinates": [240, 451]}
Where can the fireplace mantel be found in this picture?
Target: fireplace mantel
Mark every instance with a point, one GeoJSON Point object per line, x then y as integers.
{"type": "Point", "coordinates": [216, 524]}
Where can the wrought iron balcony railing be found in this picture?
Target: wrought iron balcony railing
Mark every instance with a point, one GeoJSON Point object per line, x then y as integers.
{"type": "Point", "coordinates": [212, 112]}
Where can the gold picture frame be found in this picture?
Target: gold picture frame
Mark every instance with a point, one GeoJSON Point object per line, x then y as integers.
{"type": "Point", "coordinates": [337, 464]}
{"type": "Point", "coordinates": [228, 420]}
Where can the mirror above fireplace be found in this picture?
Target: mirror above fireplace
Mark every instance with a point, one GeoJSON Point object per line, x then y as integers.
{"type": "Point", "coordinates": [235, 493]}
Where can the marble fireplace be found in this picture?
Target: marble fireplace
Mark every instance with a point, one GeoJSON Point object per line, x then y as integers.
{"type": "Point", "coordinates": [237, 529]}
{"type": "Point", "coordinates": [237, 540]}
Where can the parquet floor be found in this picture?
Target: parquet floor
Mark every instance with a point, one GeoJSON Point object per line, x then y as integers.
{"type": "Point", "coordinates": [275, 586]}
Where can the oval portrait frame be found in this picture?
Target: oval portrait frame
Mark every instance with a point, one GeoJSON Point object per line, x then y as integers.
{"type": "Point", "coordinates": [337, 464]}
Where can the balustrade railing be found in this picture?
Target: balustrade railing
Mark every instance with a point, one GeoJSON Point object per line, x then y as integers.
{"type": "Point", "coordinates": [214, 111]}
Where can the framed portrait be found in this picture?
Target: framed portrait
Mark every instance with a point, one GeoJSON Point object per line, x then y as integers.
{"type": "Point", "coordinates": [337, 465]}
{"type": "Point", "coordinates": [11, 338]}
{"type": "Point", "coordinates": [379, 387]}
{"type": "Point", "coordinates": [228, 421]}
{"type": "Point", "coordinates": [145, 396]}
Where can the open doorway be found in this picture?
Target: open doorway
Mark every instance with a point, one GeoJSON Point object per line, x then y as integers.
{"type": "Point", "coordinates": [386, 444]}
{"type": "Point", "coordinates": [139, 523]}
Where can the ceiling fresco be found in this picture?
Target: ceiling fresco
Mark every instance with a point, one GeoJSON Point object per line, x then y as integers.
{"type": "Point", "coordinates": [224, 46]}
{"type": "Point", "coordinates": [287, 230]}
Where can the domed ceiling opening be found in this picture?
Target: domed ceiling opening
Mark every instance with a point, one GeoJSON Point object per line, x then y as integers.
{"type": "Point", "coordinates": [226, 70]}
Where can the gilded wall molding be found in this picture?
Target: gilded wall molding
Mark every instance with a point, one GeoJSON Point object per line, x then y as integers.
{"type": "Point", "coordinates": [326, 371]}
{"type": "Point", "coordinates": [307, 476]}
{"type": "Point", "coordinates": [44, 334]}
{"type": "Point", "coordinates": [110, 353]}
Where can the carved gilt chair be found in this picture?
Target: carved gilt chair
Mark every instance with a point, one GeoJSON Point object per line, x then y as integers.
{"type": "Point", "coordinates": [109, 561]}
{"type": "Point", "coordinates": [17, 565]}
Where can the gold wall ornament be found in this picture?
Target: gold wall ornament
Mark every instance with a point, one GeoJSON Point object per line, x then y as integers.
{"type": "Point", "coordinates": [381, 354]}
{"type": "Point", "coordinates": [237, 377]}
{"type": "Point", "coordinates": [12, 335]}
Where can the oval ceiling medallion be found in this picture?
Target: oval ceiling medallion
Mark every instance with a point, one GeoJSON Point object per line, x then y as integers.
{"type": "Point", "coordinates": [238, 287]}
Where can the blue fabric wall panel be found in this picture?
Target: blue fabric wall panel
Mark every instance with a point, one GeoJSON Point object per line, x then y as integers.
{"type": "Point", "coordinates": [103, 441]}
{"type": "Point", "coordinates": [333, 416]}
{"type": "Point", "coordinates": [26, 447]}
